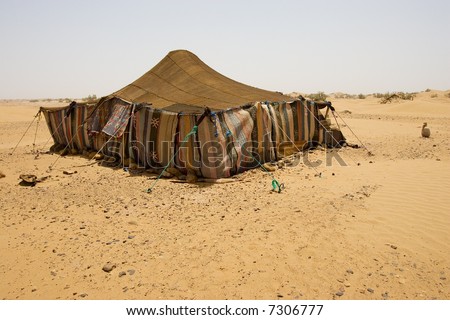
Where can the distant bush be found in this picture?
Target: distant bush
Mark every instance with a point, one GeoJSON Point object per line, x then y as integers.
{"type": "Point", "coordinates": [361, 96]}
{"type": "Point", "coordinates": [378, 95]}
{"type": "Point", "coordinates": [434, 95]}
{"type": "Point", "coordinates": [319, 96]}
{"type": "Point", "coordinates": [447, 94]}
{"type": "Point", "coordinates": [428, 90]}
{"type": "Point", "coordinates": [394, 96]}
{"type": "Point", "coordinates": [90, 98]}
{"type": "Point", "coordinates": [34, 100]}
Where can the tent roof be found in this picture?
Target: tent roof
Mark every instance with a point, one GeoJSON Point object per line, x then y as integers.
{"type": "Point", "coordinates": [182, 81]}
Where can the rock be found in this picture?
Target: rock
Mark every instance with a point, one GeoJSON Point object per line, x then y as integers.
{"type": "Point", "coordinates": [108, 267]}
{"type": "Point", "coordinates": [131, 272]}
{"type": "Point", "coordinates": [2, 175]}
{"type": "Point", "coordinates": [98, 156]}
{"type": "Point", "coordinates": [339, 293]}
{"type": "Point", "coordinates": [370, 290]}
{"type": "Point", "coordinates": [122, 273]}
{"type": "Point", "coordinates": [126, 162]}
{"type": "Point", "coordinates": [28, 179]}
{"type": "Point", "coordinates": [133, 165]}
{"type": "Point", "coordinates": [83, 295]}
{"type": "Point", "coordinates": [175, 172]}
{"type": "Point", "coordinates": [269, 167]}
{"type": "Point", "coordinates": [347, 284]}
{"type": "Point", "coordinates": [393, 247]}
{"type": "Point", "coordinates": [69, 172]}
{"type": "Point", "coordinates": [385, 295]}
{"type": "Point", "coordinates": [131, 236]}
{"type": "Point", "coordinates": [191, 177]}
{"type": "Point", "coordinates": [350, 271]}
{"type": "Point", "coordinates": [166, 174]}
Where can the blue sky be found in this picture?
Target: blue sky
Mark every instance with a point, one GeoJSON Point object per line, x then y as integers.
{"type": "Point", "coordinates": [76, 48]}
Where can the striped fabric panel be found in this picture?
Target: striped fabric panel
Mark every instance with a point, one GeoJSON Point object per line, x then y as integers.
{"type": "Point", "coordinates": [82, 140]}
{"type": "Point", "coordinates": [215, 162]}
{"type": "Point", "coordinates": [274, 114]}
{"type": "Point", "coordinates": [154, 131]}
{"type": "Point", "coordinates": [240, 124]}
{"type": "Point", "coordinates": [312, 121]}
{"type": "Point", "coordinates": [59, 126]}
{"type": "Point", "coordinates": [189, 154]}
{"type": "Point", "coordinates": [109, 146]}
{"type": "Point", "coordinates": [264, 123]}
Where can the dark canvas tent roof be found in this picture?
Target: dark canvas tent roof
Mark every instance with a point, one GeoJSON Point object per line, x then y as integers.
{"type": "Point", "coordinates": [181, 81]}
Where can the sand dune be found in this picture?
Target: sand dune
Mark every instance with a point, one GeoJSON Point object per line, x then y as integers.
{"type": "Point", "coordinates": [376, 228]}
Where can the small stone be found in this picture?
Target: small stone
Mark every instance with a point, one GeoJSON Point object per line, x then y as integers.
{"type": "Point", "coordinates": [108, 267]}
{"type": "Point", "coordinates": [83, 295]}
{"type": "Point", "coordinates": [269, 167]}
{"type": "Point", "coordinates": [393, 247]}
{"type": "Point", "coordinates": [347, 284]}
{"type": "Point", "coordinates": [191, 178]}
{"type": "Point", "coordinates": [131, 272]}
{"type": "Point", "coordinates": [385, 295]}
{"type": "Point", "coordinates": [131, 237]}
{"type": "Point", "coordinates": [339, 293]}
{"type": "Point", "coordinates": [279, 295]}
{"type": "Point", "coordinates": [350, 271]}
{"type": "Point", "coordinates": [122, 273]}
{"type": "Point", "coordinates": [174, 171]}
{"type": "Point", "coordinates": [370, 290]}
{"type": "Point", "coordinates": [166, 174]}
{"type": "Point", "coordinates": [443, 278]}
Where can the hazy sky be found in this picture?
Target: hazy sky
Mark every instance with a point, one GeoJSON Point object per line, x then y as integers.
{"type": "Point", "coordinates": [76, 48]}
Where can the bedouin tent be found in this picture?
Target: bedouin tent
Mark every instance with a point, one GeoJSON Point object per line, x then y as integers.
{"type": "Point", "coordinates": [186, 115]}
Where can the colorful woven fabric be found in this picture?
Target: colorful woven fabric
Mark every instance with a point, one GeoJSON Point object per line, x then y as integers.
{"type": "Point", "coordinates": [153, 132]}
{"type": "Point", "coordinates": [118, 120]}
{"type": "Point", "coordinates": [227, 142]}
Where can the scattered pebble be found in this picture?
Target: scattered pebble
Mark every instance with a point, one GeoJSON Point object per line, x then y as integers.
{"type": "Point", "coordinates": [131, 272]}
{"type": "Point", "coordinates": [350, 271]}
{"type": "Point", "coordinates": [108, 267]}
{"type": "Point", "coordinates": [370, 290]}
{"type": "Point", "coordinates": [122, 273]}
{"type": "Point", "coordinates": [339, 293]}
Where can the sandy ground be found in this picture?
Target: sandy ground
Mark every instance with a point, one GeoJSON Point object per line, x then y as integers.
{"type": "Point", "coordinates": [376, 228]}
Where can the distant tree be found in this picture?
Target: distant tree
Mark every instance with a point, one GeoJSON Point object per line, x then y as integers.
{"type": "Point", "coordinates": [319, 96]}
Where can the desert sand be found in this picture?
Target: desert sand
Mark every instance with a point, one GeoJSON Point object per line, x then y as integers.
{"type": "Point", "coordinates": [375, 228]}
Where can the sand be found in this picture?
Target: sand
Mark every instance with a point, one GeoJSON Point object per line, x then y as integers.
{"type": "Point", "coordinates": [376, 228]}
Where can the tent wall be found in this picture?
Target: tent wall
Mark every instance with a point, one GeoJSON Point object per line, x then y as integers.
{"type": "Point", "coordinates": [228, 142]}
